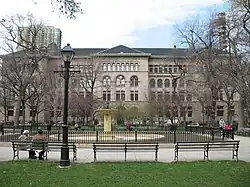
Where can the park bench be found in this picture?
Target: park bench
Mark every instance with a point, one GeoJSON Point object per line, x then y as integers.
{"type": "Point", "coordinates": [125, 147]}
{"type": "Point", "coordinates": [18, 146]}
{"type": "Point", "coordinates": [207, 146]}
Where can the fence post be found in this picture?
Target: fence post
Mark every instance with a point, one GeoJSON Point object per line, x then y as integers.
{"type": "Point", "coordinates": [2, 129]}
{"type": "Point", "coordinates": [212, 133]}
{"type": "Point", "coordinates": [58, 135]}
{"type": "Point", "coordinates": [97, 136]}
{"type": "Point", "coordinates": [223, 134]}
{"type": "Point", "coordinates": [175, 136]}
{"type": "Point", "coordinates": [136, 136]}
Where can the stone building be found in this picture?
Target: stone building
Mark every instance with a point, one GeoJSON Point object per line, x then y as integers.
{"type": "Point", "coordinates": [131, 79]}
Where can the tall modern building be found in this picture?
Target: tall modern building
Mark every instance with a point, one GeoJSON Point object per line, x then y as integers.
{"type": "Point", "coordinates": [220, 29]}
{"type": "Point", "coordinates": [45, 36]}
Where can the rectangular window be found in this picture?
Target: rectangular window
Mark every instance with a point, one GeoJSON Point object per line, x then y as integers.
{"type": "Point", "coordinates": [120, 95]}
{"type": "Point", "coordinates": [189, 112]}
{"type": "Point", "coordinates": [153, 97]}
{"type": "Point", "coordinates": [132, 94]}
{"type": "Point", "coordinates": [51, 113]}
{"type": "Point", "coordinates": [220, 111]}
{"type": "Point", "coordinates": [117, 96]}
{"type": "Point", "coordinates": [156, 69]}
{"type": "Point", "coordinates": [136, 96]}
{"type": "Point", "coordinates": [104, 96]}
{"type": "Point", "coordinates": [159, 96]}
{"type": "Point", "coordinates": [109, 95]}
{"type": "Point", "coordinates": [10, 110]}
{"type": "Point", "coordinates": [32, 111]}
{"type": "Point", "coordinates": [170, 70]}
{"type": "Point", "coordinates": [165, 69]}
{"type": "Point", "coordinates": [175, 69]}
{"type": "Point", "coordinates": [151, 68]}
{"type": "Point", "coordinates": [189, 97]}
{"type": "Point", "coordinates": [232, 110]}
{"type": "Point", "coordinates": [123, 95]}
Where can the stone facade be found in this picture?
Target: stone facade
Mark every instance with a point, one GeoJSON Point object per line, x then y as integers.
{"type": "Point", "coordinates": [127, 77]}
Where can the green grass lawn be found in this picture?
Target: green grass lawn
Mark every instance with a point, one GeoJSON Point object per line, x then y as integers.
{"type": "Point", "coordinates": [134, 174]}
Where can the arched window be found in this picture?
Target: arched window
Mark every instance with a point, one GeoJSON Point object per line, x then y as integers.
{"type": "Point", "coordinates": [167, 83]}
{"type": "Point", "coordinates": [120, 80]}
{"type": "Point", "coordinates": [118, 67]}
{"type": "Point", "coordinates": [104, 67]}
{"type": "Point", "coordinates": [123, 67]}
{"type": "Point", "coordinates": [109, 67]}
{"type": "Point", "coordinates": [152, 83]}
{"type": "Point", "coordinates": [134, 81]}
{"type": "Point", "coordinates": [106, 81]}
{"type": "Point", "coordinates": [127, 67]}
{"type": "Point", "coordinates": [113, 67]}
{"type": "Point", "coordinates": [159, 83]}
{"type": "Point", "coordinates": [131, 67]}
{"type": "Point", "coordinates": [136, 67]}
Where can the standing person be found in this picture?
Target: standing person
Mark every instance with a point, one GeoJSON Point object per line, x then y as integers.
{"type": "Point", "coordinates": [221, 124]}
{"type": "Point", "coordinates": [76, 126]}
{"type": "Point", "coordinates": [129, 126]}
{"type": "Point", "coordinates": [39, 137]}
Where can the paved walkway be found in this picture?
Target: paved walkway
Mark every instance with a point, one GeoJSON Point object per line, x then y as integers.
{"type": "Point", "coordinates": [166, 154]}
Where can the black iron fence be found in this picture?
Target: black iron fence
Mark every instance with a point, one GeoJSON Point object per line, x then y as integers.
{"type": "Point", "coordinates": [127, 136]}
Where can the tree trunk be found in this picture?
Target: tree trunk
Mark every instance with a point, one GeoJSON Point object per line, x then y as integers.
{"type": "Point", "coordinates": [23, 113]}
{"type": "Point", "coordinates": [229, 116]}
{"type": "Point", "coordinates": [33, 119]}
{"type": "Point", "coordinates": [213, 107]}
{"type": "Point", "coordinates": [17, 110]}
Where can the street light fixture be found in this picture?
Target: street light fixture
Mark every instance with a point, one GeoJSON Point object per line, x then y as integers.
{"type": "Point", "coordinates": [67, 53]}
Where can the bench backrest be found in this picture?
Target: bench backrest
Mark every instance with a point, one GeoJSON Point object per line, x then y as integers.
{"type": "Point", "coordinates": [126, 145]}
{"type": "Point", "coordinates": [209, 144]}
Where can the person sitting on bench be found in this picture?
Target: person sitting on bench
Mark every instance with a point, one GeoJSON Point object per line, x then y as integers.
{"type": "Point", "coordinates": [39, 137]}
{"type": "Point", "coordinates": [25, 137]}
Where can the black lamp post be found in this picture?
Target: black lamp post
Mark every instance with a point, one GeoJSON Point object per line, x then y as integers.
{"type": "Point", "coordinates": [67, 54]}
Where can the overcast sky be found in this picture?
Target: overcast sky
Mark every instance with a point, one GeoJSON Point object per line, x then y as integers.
{"type": "Point", "coordinates": [107, 23]}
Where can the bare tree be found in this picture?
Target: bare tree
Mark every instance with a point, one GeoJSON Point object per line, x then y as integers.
{"type": "Point", "coordinates": [7, 98]}
{"type": "Point", "coordinates": [203, 39]}
{"type": "Point", "coordinates": [69, 8]}
{"type": "Point", "coordinates": [53, 95]}
{"type": "Point", "coordinates": [89, 80]}
{"type": "Point", "coordinates": [20, 67]}
{"type": "Point", "coordinates": [36, 96]}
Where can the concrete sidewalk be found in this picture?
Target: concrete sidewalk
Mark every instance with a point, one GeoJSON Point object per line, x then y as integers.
{"type": "Point", "coordinates": [166, 154]}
